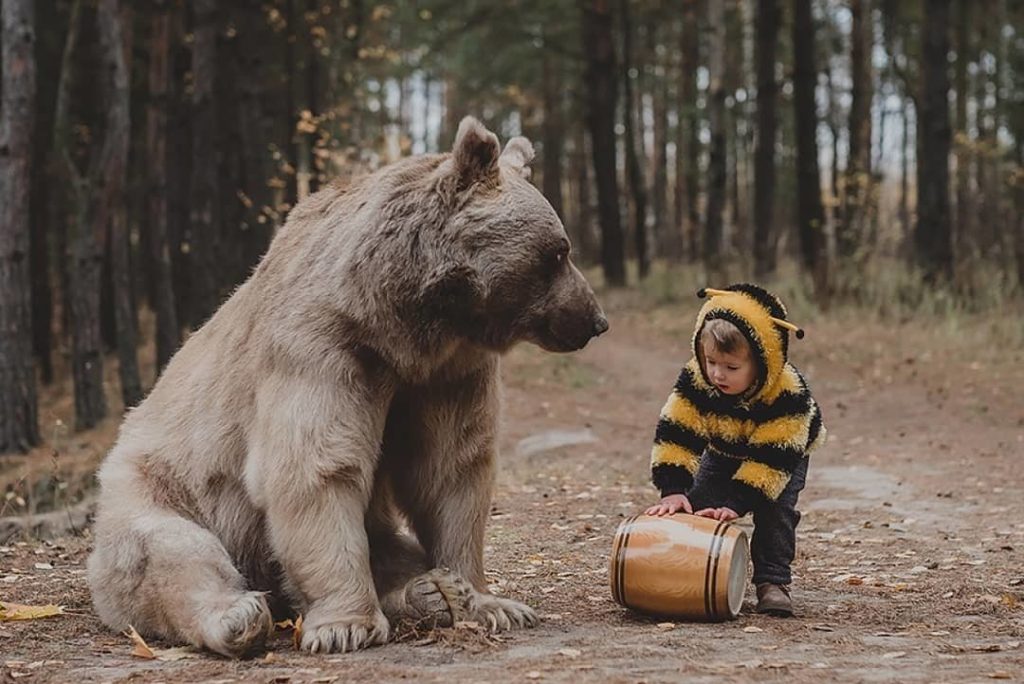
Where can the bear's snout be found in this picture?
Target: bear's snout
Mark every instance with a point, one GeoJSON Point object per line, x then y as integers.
{"type": "Point", "coordinates": [600, 325]}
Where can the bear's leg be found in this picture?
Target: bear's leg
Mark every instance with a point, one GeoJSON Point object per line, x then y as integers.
{"type": "Point", "coordinates": [313, 459]}
{"type": "Point", "coordinates": [168, 577]}
{"type": "Point", "coordinates": [446, 490]}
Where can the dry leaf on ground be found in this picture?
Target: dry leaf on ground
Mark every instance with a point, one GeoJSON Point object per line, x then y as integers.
{"type": "Point", "coordinates": [16, 611]}
{"type": "Point", "coordinates": [142, 649]}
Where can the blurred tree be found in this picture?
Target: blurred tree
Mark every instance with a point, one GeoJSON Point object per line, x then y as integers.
{"type": "Point", "coordinates": [765, 237]}
{"type": "Point", "coordinates": [932, 234]}
{"type": "Point", "coordinates": [19, 422]}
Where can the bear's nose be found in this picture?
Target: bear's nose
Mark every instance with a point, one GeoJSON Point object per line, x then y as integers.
{"type": "Point", "coordinates": [600, 324]}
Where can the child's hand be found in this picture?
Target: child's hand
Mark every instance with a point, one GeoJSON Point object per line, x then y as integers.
{"type": "Point", "coordinates": [724, 513]}
{"type": "Point", "coordinates": [670, 504]}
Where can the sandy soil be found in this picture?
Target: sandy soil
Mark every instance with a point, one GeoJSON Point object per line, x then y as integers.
{"type": "Point", "coordinates": [909, 565]}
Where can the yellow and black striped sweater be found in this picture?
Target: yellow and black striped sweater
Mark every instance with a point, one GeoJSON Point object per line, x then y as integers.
{"type": "Point", "coordinates": [760, 437]}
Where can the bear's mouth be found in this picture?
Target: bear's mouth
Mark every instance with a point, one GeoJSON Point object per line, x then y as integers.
{"type": "Point", "coordinates": [551, 340]}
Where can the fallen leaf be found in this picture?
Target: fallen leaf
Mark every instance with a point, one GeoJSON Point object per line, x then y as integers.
{"type": "Point", "coordinates": [823, 628]}
{"type": "Point", "coordinates": [570, 652]}
{"type": "Point", "coordinates": [752, 630]}
{"type": "Point", "coordinates": [467, 624]}
{"type": "Point", "coordinates": [172, 654]}
{"type": "Point", "coordinates": [665, 626]}
{"type": "Point", "coordinates": [894, 654]}
{"type": "Point", "coordinates": [297, 633]}
{"type": "Point", "coordinates": [16, 611]}
{"type": "Point", "coordinates": [855, 581]}
{"type": "Point", "coordinates": [533, 674]}
{"type": "Point", "coordinates": [44, 566]}
{"type": "Point", "coordinates": [999, 675]}
{"type": "Point", "coordinates": [284, 624]}
{"type": "Point", "coordinates": [141, 649]}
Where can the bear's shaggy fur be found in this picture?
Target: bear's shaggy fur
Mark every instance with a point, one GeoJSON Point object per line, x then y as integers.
{"type": "Point", "coordinates": [348, 387]}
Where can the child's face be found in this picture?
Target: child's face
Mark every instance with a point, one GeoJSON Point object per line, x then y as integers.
{"type": "Point", "coordinates": [730, 373]}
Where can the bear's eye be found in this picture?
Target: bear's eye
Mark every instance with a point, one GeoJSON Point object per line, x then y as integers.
{"type": "Point", "coordinates": [556, 259]}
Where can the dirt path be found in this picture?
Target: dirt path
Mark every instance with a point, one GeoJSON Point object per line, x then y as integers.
{"type": "Point", "coordinates": [909, 566]}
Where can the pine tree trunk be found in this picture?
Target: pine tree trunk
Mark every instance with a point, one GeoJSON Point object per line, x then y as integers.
{"type": "Point", "coordinates": [713, 227]}
{"type": "Point", "coordinates": [962, 234]}
{"type": "Point", "coordinates": [204, 221]}
{"type": "Point", "coordinates": [765, 239]}
{"type": "Point", "coordinates": [659, 159]}
{"type": "Point", "coordinates": [584, 216]}
{"type": "Point", "coordinates": [637, 185]}
{"type": "Point", "coordinates": [553, 129]}
{"type": "Point", "coordinates": [932, 235]}
{"type": "Point", "coordinates": [110, 182]}
{"type": "Point", "coordinates": [810, 213]}
{"type": "Point", "coordinates": [48, 53]}
{"type": "Point", "coordinates": [857, 179]}
{"type": "Point", "coordinates": [167, 330]}
{"type": "Point", "coordinates": [599, 52]}
{"type": "Point", "coordinates": [688, 145]}
{"type": "Point", "coordinates": [19, 421]}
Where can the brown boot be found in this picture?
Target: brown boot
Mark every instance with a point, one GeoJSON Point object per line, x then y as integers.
{"type": "Point", "coordinates": [773, 599]}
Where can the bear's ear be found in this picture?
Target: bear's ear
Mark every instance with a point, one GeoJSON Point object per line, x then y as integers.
{"type": "Point", "coordinates": [475, 153]}
{"type": "Point", "coordinates": [517, 156]}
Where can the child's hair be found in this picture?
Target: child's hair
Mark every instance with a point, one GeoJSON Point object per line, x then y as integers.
{"type": "Point", "coordinates": [724, 337]}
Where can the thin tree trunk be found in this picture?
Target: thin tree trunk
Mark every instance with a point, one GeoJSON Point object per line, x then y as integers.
{"type": "Point", "coordinates": [584, 215]}
{"type": "Point", "coordinates": [765, 238]}
{"type": "Point", "coordinates": [553, 128]}
{"type": "Point", "coordinates": [637, 185]}
{"type": "Point", "coordinates": [932, 238]}
{"type": "Point", "coordinates": [86, 242]}
{"type": "Point", "coordinates": [688, 166]}
{"type": "Point", "coordinates": [599, 51]}
{"type": "Point", "coordinates": [167, 330]}
{"type": "Point", "coordinates": [716, 161]}
{"type": "Point", "coordinates": [659, 159]}
{"type": "Point", "coordinates": [857, 179]}
{"type": "Point", "coordinates": [42, 238]}
{"type": "Point", "coordinates": [962, 234]}
{"type": "Point", "coordinates": [110, 181]}
{"type": "Point", "coordinates": [19, 419]}
{"type": "Point", "coordinates": [810, 213]}
{"type": "Point", "coordinates": [204, 219]}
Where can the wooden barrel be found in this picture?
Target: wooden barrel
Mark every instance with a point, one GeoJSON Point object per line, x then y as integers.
{"type": "Point", "coordinates": [681, 566]}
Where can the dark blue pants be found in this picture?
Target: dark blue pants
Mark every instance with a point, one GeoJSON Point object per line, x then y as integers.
{"type": "Point", "coordinates": [773, 545]}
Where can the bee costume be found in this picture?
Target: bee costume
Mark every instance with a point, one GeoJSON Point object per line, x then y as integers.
{"type": "Point", "coordinates": [747, 452]}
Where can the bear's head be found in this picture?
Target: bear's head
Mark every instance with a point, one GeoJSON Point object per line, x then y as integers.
{"type": "Point", "coordinates": [507, 273]}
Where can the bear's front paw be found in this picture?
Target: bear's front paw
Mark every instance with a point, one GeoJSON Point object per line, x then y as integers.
{"type": "Point", "coordinates": [500, 614]}
{"type": "Point", "coordinates": [339, 634]}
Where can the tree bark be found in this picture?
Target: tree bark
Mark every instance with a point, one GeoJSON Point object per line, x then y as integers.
{"type": "Point", "coordinates": [857, 179]}
{"type": "Point", "coordinates": [599, 51]}
{"type": "Point", "coordinates": [713, 227]}
{"type": "Point", "coordinates": [19, 421]}
{"type": "Point", "coordinates": [553, 128]}
{"type": "Point", "coordinates": [932, 236]}
{"type": "Point", "coordinates": [962, 235]}
{"type": "Point", "coordinates": [167, 330]}
{"type": "Point", "coordinates": [110, 181]}
{"type": "Point", "coordinates": [688, 142]}
{"type": "Point", "coordinates": [810, 213]}
{"type": "Point", "coordinates": [659, 158]}
{"type": "Point", "coordinates": [203, 239]}
{"type": "Point", "coordinates": [86, 238]}
{"type": "Point", "coordinates": [765, 238]}
{"type": "Point", "coordinates": [637, 184]}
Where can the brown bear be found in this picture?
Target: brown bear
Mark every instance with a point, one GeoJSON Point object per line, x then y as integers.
{"type": "Point", "coordinates": [347, 390]}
